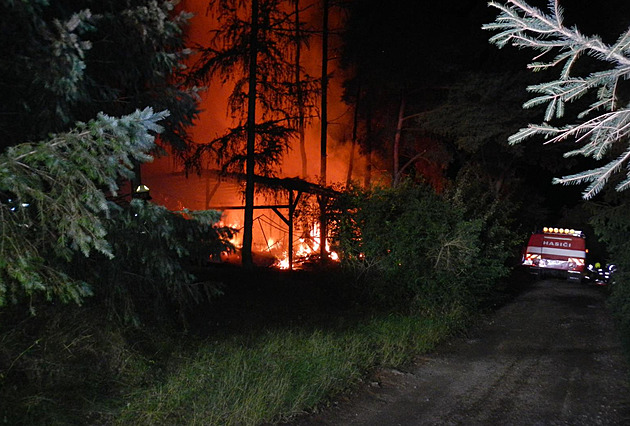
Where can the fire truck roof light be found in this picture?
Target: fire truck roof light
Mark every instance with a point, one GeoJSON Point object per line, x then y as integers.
{"type": "Point", "coordinates": [566, 231]}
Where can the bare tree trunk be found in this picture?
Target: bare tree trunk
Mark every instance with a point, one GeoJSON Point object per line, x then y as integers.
{"type": "Point", "coordinates": [136, 180]}
{"type": "Point", "coordinates": [399, 126]}
{"type": "Point", "coordinates": [323, 225]}
{"type": "Point", "coordinates": [355, 125]}
{"type": "Point", "coordinates": [246, 253]}
{"type": "Point", "coordinates": [369, 149]}
{"type": "Point", "coordinates": [353, 148]}
{"type": "Point", "coordinates": [300, 92]}
{"type": "Point", "coordinates": [324, 99]}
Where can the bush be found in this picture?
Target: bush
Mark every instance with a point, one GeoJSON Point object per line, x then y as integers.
{"type": "Point", "coordinates": [611, 223]}
{"type": "Point", "coordinates": [408, 244]}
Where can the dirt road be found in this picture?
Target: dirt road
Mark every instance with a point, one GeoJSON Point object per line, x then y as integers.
{"type": "Point", "coordinates": [552, 357]}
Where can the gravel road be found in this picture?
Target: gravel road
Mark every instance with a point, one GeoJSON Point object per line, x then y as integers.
{"type": "Point", "coordinates": [551, 357]}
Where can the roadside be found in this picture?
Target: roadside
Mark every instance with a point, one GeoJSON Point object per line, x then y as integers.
{"type": "Point", "coordinates": [550, 357]}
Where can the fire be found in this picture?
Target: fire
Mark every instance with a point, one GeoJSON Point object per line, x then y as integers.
{"type": "Point", "coordinates": [283, 263]}
{"type": "Point", "coordinates": [306, 247]}
{"type": "Point", "coordinates": [173, 187]}
{"type": "Point", "coordinates": [274, 250]}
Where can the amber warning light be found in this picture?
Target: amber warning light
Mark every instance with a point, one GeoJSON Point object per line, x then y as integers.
{"type": "Point", "coordinates": [562, 231]}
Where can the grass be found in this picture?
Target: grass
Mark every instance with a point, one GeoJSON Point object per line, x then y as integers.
{"type": "Point", "coordinates": [266, 352]}
{"type": "Point", "coordinates": [250, 380]}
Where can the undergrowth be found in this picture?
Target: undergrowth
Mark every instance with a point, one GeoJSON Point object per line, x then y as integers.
{"type": "Point", "coordinates": [249, 380]}
{"type": "Point", "coordinates": [80, 369]}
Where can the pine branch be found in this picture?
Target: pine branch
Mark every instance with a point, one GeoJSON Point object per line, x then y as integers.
{"type": "Point", "coordinates": [622, 46]}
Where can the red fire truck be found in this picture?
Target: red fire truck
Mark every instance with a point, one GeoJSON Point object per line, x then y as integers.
{"type": "Point", "coordinates": [556, 251]}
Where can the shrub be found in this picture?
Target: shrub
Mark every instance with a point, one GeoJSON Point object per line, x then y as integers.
{"type": "Point", "coordinates": [611, 223]}
{"type": "Point", "coordinates": [409, 244]}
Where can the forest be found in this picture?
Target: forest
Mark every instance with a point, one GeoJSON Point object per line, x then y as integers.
{"type": "Point", "coordinates": [230, 212]}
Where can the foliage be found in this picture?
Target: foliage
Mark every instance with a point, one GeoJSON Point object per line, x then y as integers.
{"type": "Point", "coordinates": [410, 244]}
{"type": "Point", "coordinates": [71, 365]}
{"type": "Point", "coordinates": [62, 238]}
{"type": "Point", "coordinates": [611, 223]}
{"type": "Point", "coordinates": [599, 125]}
{"type": "Point", "coordinates": [53, 201]}
{"type": "Point", "coordinates": [151, 276]}
{"type": "Point", "coordinates": [478, 110]}
{"type": "Point", "coordinates": [68, 364]}
{"type": "Point", "coordinates": [64, 62]}
{"type": "Point", "coordinates": [500, 238]}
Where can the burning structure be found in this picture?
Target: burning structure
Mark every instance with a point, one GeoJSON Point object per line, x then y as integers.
{"type": "Point", "coordinates": [259, 102]}
{"type": "Point", "coordinates": [271, 111]}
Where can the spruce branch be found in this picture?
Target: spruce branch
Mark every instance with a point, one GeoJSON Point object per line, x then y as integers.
{"type": "Point", "coordinates": [598, 177]}
{"type": "Point", "coordinates": [53, 200]}
{"type": "Point", "coordinates": [605, 123]}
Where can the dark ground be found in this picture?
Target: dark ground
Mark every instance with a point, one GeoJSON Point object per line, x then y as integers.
{"type": "Point", "coordinates": [550, 357]}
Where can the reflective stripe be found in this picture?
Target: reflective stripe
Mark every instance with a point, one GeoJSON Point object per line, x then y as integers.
{"type": "Point", "coordinates": [547, 237]}
{"type": "Point", "coordinates": [556, 251]}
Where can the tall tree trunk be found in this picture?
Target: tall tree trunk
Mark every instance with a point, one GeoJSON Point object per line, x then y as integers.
{"type": "Point", "coordinates": [324, 99]}
{"type": "Point", "coordinates": [368, 148]}
{"type": "Point", "coordinates": [323, 228]}
{"type": "Point", "coordinates": [246, 253]}
{"type": "Point", "coordinates": [355, 125]}
{"type": "Point", "coordinates": [399, 126]}
{"type": "Point", "coordinates": [136, 180]}
{"type": "Point", "coordinates": [300, 91]}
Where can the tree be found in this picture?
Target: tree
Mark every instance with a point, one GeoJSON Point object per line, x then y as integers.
{"type": "Point", "coordinates": [250, 48]}
{"type": "Point", "coordinates": [53, 201]}
{"type": "Point", "coordinates": [611, 222]}
{"type": "Point", "coordinates": [598, 127]}
{"type": "Point", "coordinates": [398, 71]}
{"type": "Point", "coordinates": [64, 62]}
{"type": "Point", "coordinates": [475, 118]}
{"type": "Point", "coordinates": [62, 235]}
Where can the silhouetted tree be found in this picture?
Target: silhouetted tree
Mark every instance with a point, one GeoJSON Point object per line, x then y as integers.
{"type": "Point", "coordinates": [254, 47]}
